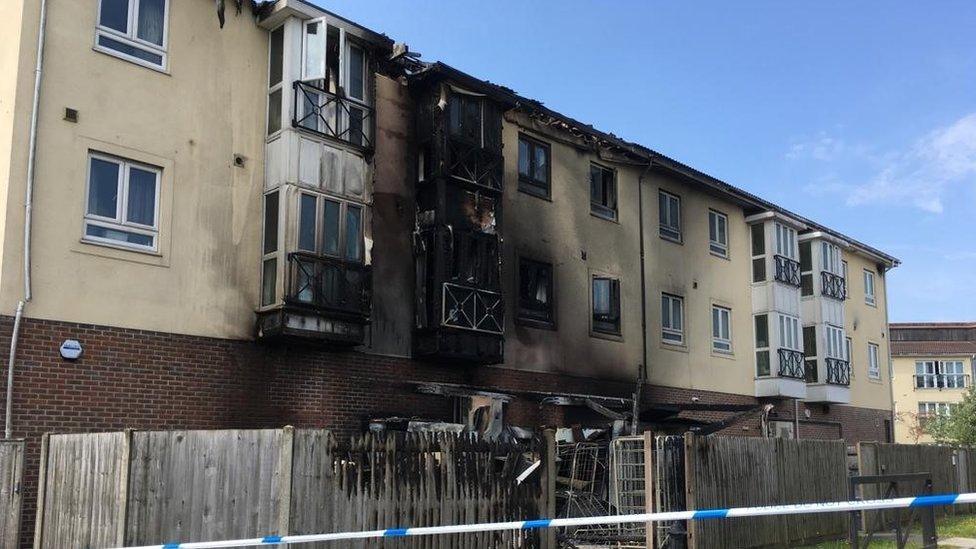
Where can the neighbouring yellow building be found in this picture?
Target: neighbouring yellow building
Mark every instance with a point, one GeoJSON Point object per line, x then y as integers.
{"type": "Point", "coordinates": [932, 367]}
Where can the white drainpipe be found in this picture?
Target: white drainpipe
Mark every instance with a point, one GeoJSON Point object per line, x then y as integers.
{"type": "Point", "coordinates": [28, 205]}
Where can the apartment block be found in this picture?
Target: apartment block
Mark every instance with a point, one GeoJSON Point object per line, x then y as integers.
{"type": "Point", "coordinates": [932, 366]}
{"type": "Point", "coordinates": [279, 216]}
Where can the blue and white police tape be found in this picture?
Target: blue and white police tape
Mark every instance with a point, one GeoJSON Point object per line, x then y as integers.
{"type": "Point", "coordinates": [800, 508]}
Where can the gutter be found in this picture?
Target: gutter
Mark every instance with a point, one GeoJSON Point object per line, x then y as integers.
{"type": "Point", "coordinates": [28, 216]}
{"type": "Point", "coordinates": [642, 376]}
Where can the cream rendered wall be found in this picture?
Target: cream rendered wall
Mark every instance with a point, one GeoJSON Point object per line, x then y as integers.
{"type": "Point", "coordinates": [867, 324]}
{"type": "Point", "coordinates": [559, 231]}
{"type": "Point", "coordinates": [691, 271]}
{"type": "Point", "coordinates": [190, 121]}
{"type": "Point", "coordinates": [907, 396]}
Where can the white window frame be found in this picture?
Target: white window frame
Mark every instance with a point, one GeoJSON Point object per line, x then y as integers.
{"type": "Point", "coordinates": [717, 220]}
{"type": "Point", "coordinates": [790, 336]}
{"type": "Point", "coordinates": [671, 334]}
{"type": "Point", "coordinates": [830, 258]}
{"type": "Point", "coordinates": [320, 73]}
{"type": "Point", "coordinates": [121, 205]}
{"type": "Point", "coordinates": [932, 409]}
{"type": "Point", "coordinates": [874, 361]}
{"type": "Point", "coordinates": [341, 237]}
{"type": "Point", "coordinates": [957, 375]}
{"type": "Point", "coordinates": [666, 223]}
{"type": "Point", "coordinates": [928, 371]}
{"type": "Point", "coordinates": [786, 242]}
{"type": "Point", "coordinates": [869, 295]}
{"type": "Point", "coordinates": [130, 37]}
{"type": "Point", "coordinates": [835, 340]}
{"type": "Point", "coordinates": [721, 342]}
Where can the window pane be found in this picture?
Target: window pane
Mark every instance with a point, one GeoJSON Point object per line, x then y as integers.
{"type": "Point", "coordinates": [806, 260]}
{"type": "Point", "coordinates": [541, 164]}
{"type": "Point", "coordinates": [354, 226]}
{"type": "Point", "coordinates": [114, 15]}
{"type": "Point", "coordinates": [716, 323]}
{"type": "Point", "coordinates": [675, 214]}
{"type": "Point", "coordinates": [357, 62]}
{"type": "Point", "coordinates": [601, 296]}
{"type": "Point", "coordinates": [662, 208]}
{"type": "Point", "coordinates": [676, 314]}
{"type": "Point", "coordinates": [138, 53]}
{"type": "Point", "coordinates": [277, 49]}
{"type": "Point", "coordinates": [269, 280]}
{"type": "Point", "coordinates": [330, 228]}
{"type": "Point", "coordinates": [596, 185]}
{"type": "Point", "coordinates": [306, 223]}
{"type": "Point", "coordinates": [122, 236]}
{"type": "Point", "coordinates": [356, 134]}
{"type": "Point", "coordinates": [759, 269]}
{"type": "Point", "coordinates": [524, 158]}
{"type": "Point", "coordinates": [762, 363]}
{"type": "Point", "coordinates": [103, 188]}
{"type": "Point", "coordinates": [274, 111]}
{"type": "Point", "coordinates": [762, 331]}
{"type": "Point", "coordinates": [314, 51]}
{"type": "Point", "coordinates": [758, 240]}
{"type": "Point", "coordinates": [271, 223]}
{"type": "Point", "coordinates": [152, 15]}
{"type": "Point", "coordinates": [666, 311]}
{"type": "Point", "coordinates": [142, 197]}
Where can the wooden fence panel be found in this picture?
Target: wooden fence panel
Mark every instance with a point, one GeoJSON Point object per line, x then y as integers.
{"type": "Point", "coordinates": [203, 485]}
{"type": "Point", "coordinates": [738, 471]}
{"type": "Point", "coordinates": [82, 485]}
{"type": "Point", "coordinates": [11, 476]}
{"type": "Point", "coordinates": [877, 458]}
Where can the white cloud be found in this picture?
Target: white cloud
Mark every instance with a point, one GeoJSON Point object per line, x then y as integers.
{"type": "Point", "coordinates": [823, 147]}
{"type": "Point", "coordinates": [922, 175]}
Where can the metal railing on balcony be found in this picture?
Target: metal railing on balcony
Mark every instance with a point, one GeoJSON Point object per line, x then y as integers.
{"type": "Point", "coordinates": [474, 309]}
{"type": "Point", "coordinates": [833, 285]}
{"type": "Point", "coordinates": [787, 270]}
{"type": "Point", "coordinates": [473, 163]}
{"type": "Point", "coordinates": [838, 371]}
{"type": "Point", "coordinates": [941, 381]}
{"type": "Point", "coordinates": [790, 363]}
{"type": "Point", "coordinates": [328, 284]}
{"type": "Point", "coordinates": [330, 115]}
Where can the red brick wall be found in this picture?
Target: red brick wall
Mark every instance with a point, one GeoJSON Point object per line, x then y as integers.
{"type": "Point", "coordinates": [146, 380]}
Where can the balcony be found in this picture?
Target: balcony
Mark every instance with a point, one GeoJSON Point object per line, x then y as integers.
{"type": "Point", "coordinates": [838, 371]}
{"type": "Point", "coordinates": [833, 286]}
{"type": "Point", "coordinates": [787, 270]}
{"type": "Point", "coordinates": [329, 115]}
{"type": "Point", "coordinates": [325, 298]}
{"type": "Point", "coordinates": [788, 383]}
{"type": "Point", "coordinates": [474, 164]}
{"type": "Point", "coordinates": [790, 363]}
{"type": "Point", "coordinates": [472, 309]}
{"type": "Point", "coordinates": [942, 381]}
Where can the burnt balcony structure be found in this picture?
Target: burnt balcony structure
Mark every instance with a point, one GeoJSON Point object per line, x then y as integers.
{"type": "Point", "coordinates": [459, 305]}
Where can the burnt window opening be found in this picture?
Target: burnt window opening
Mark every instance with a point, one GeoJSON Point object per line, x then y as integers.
{"type": "Point", "coordinates": [465, 117]}
{"type": "Point", "coordinates": [603, 192]}
{"type": "Point", "coordinates": [606, 305]}
{"type": "Point", "coordinates": [475, 260]}
{"type": "Point", "coordinates": [533, 162]}
{"type": "Point", "coordinates": [535, 292]}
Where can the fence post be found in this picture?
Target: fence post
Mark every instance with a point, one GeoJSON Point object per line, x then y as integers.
{"type": "Point", "coordinates": [285, 454]}
{"type": "Point", "coordinates": [549, 487]}
{"type": "Point", "coordinates": [41, 494]}
{"type": "Point", "coordinates": [690, 492]}
{"type": "Point", "coordinates": [123, 487]}
{"type": "Point", "coordinates": [649, 491]}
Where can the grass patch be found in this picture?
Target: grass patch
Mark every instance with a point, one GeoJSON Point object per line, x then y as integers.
{"type": "Point", "coordinates": [959, 526]}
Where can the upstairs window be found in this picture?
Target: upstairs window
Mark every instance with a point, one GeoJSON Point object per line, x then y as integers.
{"type": "Point", "coordinates": [533, 164]}
{"type": "Point", "coordinates": [535, 292]}
{"type": "Point", "coordinates": [330, 227]}
{"type": "Point", "coordinates": [603, 192]}
{"type": "Point", "coordinates": [134, 30]}
{"type": "Point", "coordinates": [785, 241]}
{"type": "Point", "coordinates": [465, 112]}
{"type": "Point", "coordinates": [869, 287]}
{"type": "Point", "coordinates": [762, 345]}
{"type": "Point", "coordinates": [606, 305]}
{"type": "Point", "coordinates": [955, 374]}
{"type": "Point", "coordinates": [874, 365]}
{"type": "Point", "coordinates": [789, 332]}
{"type": "Point", "coordinates": [721, 329]}
{"type": "Point", "coordinates": [672, 319]}
{"type": "Point", "coordinates": [718, 233]}
{"type": "Point", "coordinates": [122, 206]}
{"type": "Point", "coordinates": [835, 342]}
{"type": "Point", "coordinates": [806, 269]}
{"type": "Point", "coordinates": [669, 210]}
{"type": "Point", "coordinates": [758, 233]}
{"type": "Point", "coordinates": [830, 258]}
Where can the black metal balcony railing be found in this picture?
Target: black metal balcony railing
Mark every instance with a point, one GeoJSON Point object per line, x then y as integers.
{"type": "Point", "coordinates": [470, 308]}
{"type": "Point", "coordinates": [833, 285]}
{"type": "Point", "coordinates": [787, 270]}
{"type": "Point", "coordinates": [475, 164]}
{"type": "Point", "coordinates": [941, 381]}
{"type": "Point", "coordinates": [790, 363]}
{"type": "Point", "coordinates": [330, 115]}
{"type": "Point", "coordinates": [838, 371]}
{"type": "Point", "coordinates": [328, 284]}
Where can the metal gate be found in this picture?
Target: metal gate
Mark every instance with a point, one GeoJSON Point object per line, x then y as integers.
{"type": "Point", "coordinates": [669, 489]}
{"type": "Point", "coordinates": [11, 495]}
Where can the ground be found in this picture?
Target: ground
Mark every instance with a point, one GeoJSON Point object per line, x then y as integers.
{"type": "Point", "coordinates": [954, 531]}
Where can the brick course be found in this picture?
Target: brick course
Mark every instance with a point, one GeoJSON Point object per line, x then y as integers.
{"type": "Point", "coordinates": [146, 380]}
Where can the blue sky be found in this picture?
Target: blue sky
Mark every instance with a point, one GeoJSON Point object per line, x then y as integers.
{"type": "Point", "coordinates": [861, 115]}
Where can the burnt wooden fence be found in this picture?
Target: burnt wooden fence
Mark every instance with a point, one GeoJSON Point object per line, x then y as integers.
{"type": "Point", "coordinates": [723, 472]}
{"type": "Point", "coordinates": [148, 487]}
